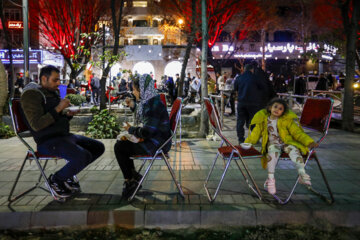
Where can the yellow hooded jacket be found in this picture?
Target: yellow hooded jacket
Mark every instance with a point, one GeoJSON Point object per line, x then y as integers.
{"type": "Point", "coordinates": [289, 131]}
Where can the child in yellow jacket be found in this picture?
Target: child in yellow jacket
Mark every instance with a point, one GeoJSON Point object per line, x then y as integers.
{"type": "Point", "coordinates": [280, 132]}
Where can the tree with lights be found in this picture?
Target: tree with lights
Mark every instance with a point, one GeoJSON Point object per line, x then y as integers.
{"type": "Point", "coordinates": [218, 13]}
{"type": "Point", "coordinates": [3, 81]}
{"type": "Point", "coordinates": [111, 57]}
{"type": "Point", "coordinates": [65, 26]}
{"type": "Point", "coordinates": [263, 17]}
{"type": "Point", "coordinates": [342, 17]}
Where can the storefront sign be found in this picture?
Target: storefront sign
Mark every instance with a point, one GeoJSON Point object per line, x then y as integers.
{"type": "Point", "coordinates": [15, 25]}
{"type": "Point", "coordinates": [35, 56]}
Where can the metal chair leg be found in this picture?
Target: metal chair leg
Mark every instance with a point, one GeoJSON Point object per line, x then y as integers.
{"type": "Point", "coordinates": [331, 200]}
{"type": "Point", "coordinates": [142, 180]}
{"type": "Point", "coordinates": [212, 199]}
{"type": "Point", "coordinates": [212, 168]}
{"type": "Point", "coordinates": [10, 199]}
{"type": "Point", "coordinates": [42, 175]}
{"type": "Point", "coordinates": [253, 186]}
{"type": "Point", "coordinates": [173, 176]}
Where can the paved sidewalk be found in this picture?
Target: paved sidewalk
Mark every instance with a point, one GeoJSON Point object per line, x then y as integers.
{"type": "Point", "coordinates": [159, 205]}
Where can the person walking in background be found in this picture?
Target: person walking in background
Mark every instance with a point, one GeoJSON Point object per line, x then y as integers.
{"type": "Point", "coordinates": [211, 85]}
{"type": "Point", "coordinates": [95, 86]}
{"type": "Point", "coordinates": [250, 91]}
{"type": "Point", "coordinates": [300, 87]}
{"type": "Point", "coordinates": [177, 82]}
{"type": "Point", "coordinates": [187, 81]}
{"type": "Point", "coordinates": [171, 88]}
{"type": "Point", "coordinates": [277, 127]}
{"type": "Point", "coordinates": [268, 92]}
{"type": "Point", "coordinates": [280, 84]}
{"type": "Point", "coordinates": [322, 83]}
{"type": "Point", "coordinates": [229, 86]}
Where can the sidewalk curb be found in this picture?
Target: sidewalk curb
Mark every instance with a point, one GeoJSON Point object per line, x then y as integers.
{"type": "Point", "coordinates": [176, 219]}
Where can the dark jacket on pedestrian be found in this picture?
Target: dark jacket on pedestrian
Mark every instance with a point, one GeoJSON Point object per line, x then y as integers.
{"type": "Point", "coordinates": [268, 91]}
{"type": "Point", "coordinates": [250, 90]}
{"type": "Point", "coordinates": [95, 83]}
{"type": "Point", "coordinates": [321, 84]}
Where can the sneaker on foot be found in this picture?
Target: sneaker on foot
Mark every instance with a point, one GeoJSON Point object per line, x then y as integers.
{"type": "Point", "coordinates": [270, 185]}
{"type": "Point", "coordinates": [305, 179]}
{"type": "Point", "coordinates": [72, 185]}
{"type": "Point", "coordinates": [129, 188]}
{"type": "Point", "coordinates": [136, 176]}
{"type": "Point", "coordinates": [58, 187]}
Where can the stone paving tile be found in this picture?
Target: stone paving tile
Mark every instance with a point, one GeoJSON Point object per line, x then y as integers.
{"type": "Point", "coordinates": [102, 184]}
{"type": "Point", "coordinates": [3, 200]}
{"type": "Point", "coordinates": [36, 200]}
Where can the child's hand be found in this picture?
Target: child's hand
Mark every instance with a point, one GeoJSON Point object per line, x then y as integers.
{"type": "Point", "coordinates": [313, 145]}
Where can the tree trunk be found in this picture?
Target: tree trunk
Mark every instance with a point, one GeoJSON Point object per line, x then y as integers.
{"type": "Point", "coordinates": [116, 29]}
{"type": "Point", "coordinates": [3, 89]}
{"type": "Point", "coordinates": [190, 40]}
{"type": "Point", "coordinates": [9, 47]}
{"type": "Point", "coordinates": [263, 62]}
{"type": "Point", "coordinates": [204, 122]}
{"type": "Point", "coordinates": [351, 36]}
{"type": "Point", "coordinates": [73, 72]}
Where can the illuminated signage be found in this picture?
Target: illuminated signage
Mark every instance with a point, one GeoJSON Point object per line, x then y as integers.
{"type": "Point", "coordinates": [291, 47]}
{"type": "Point", "coordinates": [280, 48]}
{"type": "Point", "coordinates": [35, 56]}
{"type": "Point", "coordinates": [15, 25]}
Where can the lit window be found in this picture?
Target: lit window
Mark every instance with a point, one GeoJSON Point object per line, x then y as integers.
{"type": "Point", "coordinates": [139, 3]}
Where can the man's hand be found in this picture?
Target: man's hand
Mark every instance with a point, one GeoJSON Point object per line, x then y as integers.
{"type": "Point", "coordinates": [129, 102]}
{"type": "Point", "coordinates": [313, 145]}
{"type": "Point", "coordinates": [72, 113]}
{"type": "Point", "coordinates": [64, 103]}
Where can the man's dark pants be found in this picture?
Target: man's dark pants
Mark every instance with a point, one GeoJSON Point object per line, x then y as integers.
{"type": "Point", "coordinates": [245, 112]}
{"type": "Point", "coordinates": [96, 95]}
{"type": "Point", "coordinates": [78, 150]}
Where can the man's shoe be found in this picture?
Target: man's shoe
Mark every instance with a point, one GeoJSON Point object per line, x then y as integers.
{"type": "Point", "coordinates": [136, 176]}
{"type": "Point", "coordinates": [270, 185]}
{"type": "Point", "coordinates": [58, 187]}
{"type": "Point", "coordinates": [129, 188]}
{"type": "Point", "coordinates": [72, 185]}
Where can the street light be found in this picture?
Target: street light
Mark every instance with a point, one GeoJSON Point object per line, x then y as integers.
{"type": "Point", "coordinates": [180, 22]}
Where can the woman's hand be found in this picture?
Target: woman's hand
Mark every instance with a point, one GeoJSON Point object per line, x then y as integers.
{"type": "Point", "coordinates": [72, 113]}
{"type": "Point", "coordinates": [130, 102]}
{"type": "Point", "coordinates": [126, 126]}
{"type": "Point", "coordinates": [313, 145]}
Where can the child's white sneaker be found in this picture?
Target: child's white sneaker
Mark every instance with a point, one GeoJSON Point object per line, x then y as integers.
{"type": "Point", "coordinates": [305, 179]}
{"type": "Point", "coordinates": [270, 185]}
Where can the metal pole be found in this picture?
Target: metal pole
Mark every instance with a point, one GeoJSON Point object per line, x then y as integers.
{"type": "Point", "coordinates": [26, 40]}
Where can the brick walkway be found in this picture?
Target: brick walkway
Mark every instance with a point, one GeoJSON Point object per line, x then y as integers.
{"type": "Point", "coordinates": [159, 205]}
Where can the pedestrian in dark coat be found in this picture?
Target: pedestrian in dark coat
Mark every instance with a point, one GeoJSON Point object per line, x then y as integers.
{"type": "Point", "coordinates": [250, 99]}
